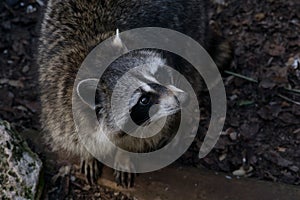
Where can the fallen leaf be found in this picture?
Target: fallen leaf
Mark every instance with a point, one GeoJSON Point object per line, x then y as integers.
{"type": "Point", "coordinates": [281, 149]}
{"type": "Point", "coordinates": [289, 118]}
{"type": "Point", "coordinates": [246, 103]}
{"type": "Point", "coordinates": [13, 83]}
{"type": "Point", "coordinates": [274, 49]}
{"type": "Point", "coordinates": [296, 131]}
{"type": "Point", "coordinates": [267, 84]}
{"type": "Point", "coordinates": [259, 16]}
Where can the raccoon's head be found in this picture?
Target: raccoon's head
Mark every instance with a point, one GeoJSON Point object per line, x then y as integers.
{"type": "Point", "coordinates": [134, 91]}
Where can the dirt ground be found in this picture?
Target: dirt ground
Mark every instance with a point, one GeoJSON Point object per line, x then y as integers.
{"type": "Point", "coordinates": [262, 130]}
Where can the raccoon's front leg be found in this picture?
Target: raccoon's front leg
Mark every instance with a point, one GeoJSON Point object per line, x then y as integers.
{"type": "Point", "coordinates": [92, 169]}
{"type": "Point", "coordinates": [124, 179]}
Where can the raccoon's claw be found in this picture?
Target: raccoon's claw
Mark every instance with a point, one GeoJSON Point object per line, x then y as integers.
{"type": "Point", "coordinates": [124, 179]}
{"type": "Point", "coordinates": [92, 170]}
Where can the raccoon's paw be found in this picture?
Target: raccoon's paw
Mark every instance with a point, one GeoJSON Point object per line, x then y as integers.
{"type": "Point", "coordinates": [92, 169]}
{"type": "Point", "coordinates": [63, 172]}
{"type": "Point", "coordinates": [124, 179]}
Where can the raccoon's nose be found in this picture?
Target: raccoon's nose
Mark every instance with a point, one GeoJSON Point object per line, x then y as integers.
{"type": "Point", "coordinates": [182, 96]}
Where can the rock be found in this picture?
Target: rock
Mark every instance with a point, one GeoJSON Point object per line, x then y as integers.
{"type": "Point", "coordinates": [25, 69]}
{"type": "Point", "coordinates": [20, 168]}
{"type": "Point", "coordinates": [222, 157]}
{"type": "Point", "coordinates": [30, 9]}
{"type": "Point", "coordinates": [239, 172]}
{"type": "Point", "coordinates": [242, 171]}
{"type": "Point", "coordinates": [294, 168]}
{"type": "Point", "coordinates": [233, 136]}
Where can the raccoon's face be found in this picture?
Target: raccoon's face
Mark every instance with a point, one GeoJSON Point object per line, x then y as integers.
{"type": "Point", "coordinates": [137, 99]}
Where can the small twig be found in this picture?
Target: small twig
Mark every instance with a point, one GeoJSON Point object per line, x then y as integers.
{"type": "Point", "coordinates": [241, 76]}
{"type": "Point", "coordinates": [292, 90]}
{"type": "Point", "coordinates": [9, 9]}
{"type": "Point", "coordinates": [288, 99]}
{"type": "Point", "coordinates": [255, 81]}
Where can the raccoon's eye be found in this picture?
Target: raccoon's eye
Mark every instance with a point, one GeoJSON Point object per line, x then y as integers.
{"type": "Point", "coordinates": [144, 100]}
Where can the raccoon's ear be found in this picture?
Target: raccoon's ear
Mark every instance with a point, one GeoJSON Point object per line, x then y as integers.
{"type": "Point", "coordinates": [86, 90]}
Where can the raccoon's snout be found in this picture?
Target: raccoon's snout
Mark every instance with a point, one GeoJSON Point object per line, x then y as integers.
{"type": "Point", "coordinates": [182, 97]}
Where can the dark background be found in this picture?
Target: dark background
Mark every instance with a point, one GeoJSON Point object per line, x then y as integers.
{"type": "Point", "coordinates": [263, 122]}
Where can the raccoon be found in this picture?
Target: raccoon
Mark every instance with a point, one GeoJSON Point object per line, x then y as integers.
{"type": "Point", "coordinates": [72, 28]}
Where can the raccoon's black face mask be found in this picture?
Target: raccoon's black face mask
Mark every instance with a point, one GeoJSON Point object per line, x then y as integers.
{"type": "Point", "coordinates": [152, 102]}
{"type": "Point", "coordinates": [139, 113]}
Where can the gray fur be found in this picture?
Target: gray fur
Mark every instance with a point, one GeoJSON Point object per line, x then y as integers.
{"type": "Point", "coordinates": [72, 28]}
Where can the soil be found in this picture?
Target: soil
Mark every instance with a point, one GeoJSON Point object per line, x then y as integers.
{"type": "Point", "coordinates": [261, 137]}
